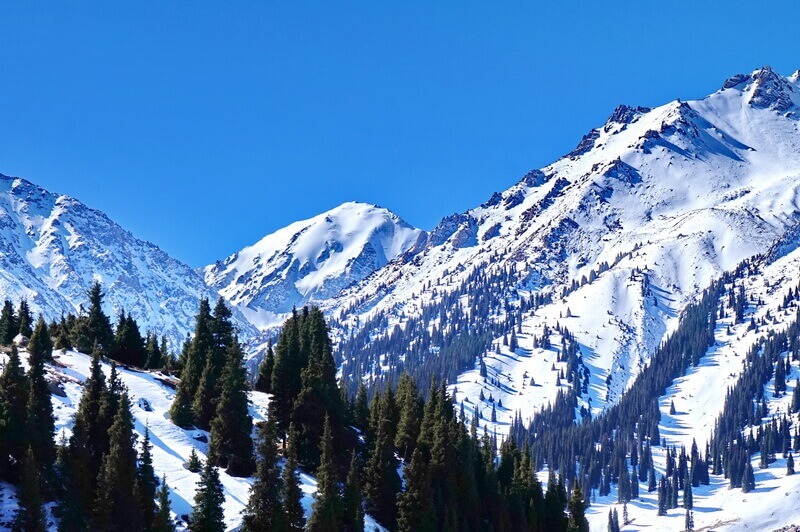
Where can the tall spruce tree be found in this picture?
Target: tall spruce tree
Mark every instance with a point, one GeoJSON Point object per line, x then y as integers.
{"type": "Point", "coordinates": [40, 345]}
{"type": "Point", "coordinates": [148, 483]}
{"type": "Point", "coordinates": [118, 504]}
{"type": "Point", "coordinates": [415, 504]}
{"type": "Point", "coordinates": [231, 445]}
{"type": "Point", "coordinates": [209, 387]}
{"type": "Point", "coordinates": [353, 513]}
{"type": "Point", "coordinates": [407, 398]}
{"type": "Point", "coordinates": [292, 494]}
{"type": "Point", "coordinates": [30, 516]}
{"type": "Point", "coordinates": [193, 364]}
{"type": "Point", "coordinates": [264, 378]}
{"type": "Point", "coordinates": [577, 511]}
{"type": "Point", "coordinates": [163, 519]}
{"type": "Point", "coordinates": [289, 361]}
{"type": "Point", "coordinates": [8, 323]}
{"type": "Point", "coordinates": [24, 319]}
{"type": "Point", "coordinates": [41, 423]}
{"type": "Point", "coordinates": [326, 513]}
{"type": "Point", "coordinates": [208, 514]}
{"type": "Point", "coordinates": [263, 511]}
{"type": "Point", "coordinates": [14, 391]}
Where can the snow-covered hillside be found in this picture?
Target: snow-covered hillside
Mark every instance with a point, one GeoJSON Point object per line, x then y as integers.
{"type": "Point", "coordinates": [310, 260]}
{"type": "Point", "coordinates": [622, 233]}
{"type": "Point", "coordinates": [53, 247]}
{"type": "Point", "coordinates": [151, 397]}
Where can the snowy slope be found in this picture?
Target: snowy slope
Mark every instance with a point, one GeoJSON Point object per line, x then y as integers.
{"type": "Point", "coordinates": [656, 202]}
{"type": "Point", "coordinates": [151, 399]}
{"type": "Point", "coordinates": [699, 398]}
{"type": "Point", "coordinates": [310, 261]}
{"type": "Point", "coordinates": [53, 247]}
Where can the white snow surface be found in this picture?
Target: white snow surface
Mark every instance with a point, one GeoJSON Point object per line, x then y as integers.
{"type": "Point", "coordinates": [310, 260]}
{"type": "Point", "coordinates": [53, 248]}
{"type": "Point", "coordinates": [668, 198]}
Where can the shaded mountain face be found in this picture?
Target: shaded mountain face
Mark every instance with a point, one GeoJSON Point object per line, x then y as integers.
{"type": "Point", "coordinates": [53, 248]}
{"type": "Point", "coordinates": [311, 261]}
{"type": "Point", "coordinates": [611, 241]}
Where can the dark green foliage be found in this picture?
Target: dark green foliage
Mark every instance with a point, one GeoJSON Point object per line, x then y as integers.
{"type": "Point", "coordinates": [40, 346]}
{"type": "Point", "coordinates": [118, 503]}
{"type": "Point", "coordinates": [577, 511]}
{"type": "Point", "coordinates": [14, 390]}
{"type": "Point", "coordinates": [264, 378]}
{"type": "Point", "coordinates": [41, 424]}
{"type": "Point", "coordinates": [208, 515]}
{"type": "Point", "coordinates": [231, 445]}
{"type": "Point", "coordinates": [748, 478]}
{"type": "Point", "coordinates": [326, 513]}
{"type": "Point", "coordinates": [163, 519]}
{"type": "Point", "coordinates": [30, 516]}
{"type": "Point", "coordinates": [613, 521]}
{"type": "Point", "coordinates": [9, 326]}
{"type": "Point", "coordinates": [193, 363]}
{"type": "Point", "coordinates": [209, 386]}
{"type": "Point", "coordinates": [289, 362]}
{"type": "Point", "coordinates": [790, 465]}
{"type": "Point", "coordinates": [94, 328]}
{"type": "Point", "coordinates": [24, 319]}
{"type": "Point", "coordinates": [194, 464]}
{"type": "Point", "coordinates": [129, 348]}
{"type": "Point", "coordinates": [353, 513]}
{"type": "Point", "coordinates": [147, 481]}
{"type": "Point", "coordinates": [381, 482]}
{"type": "Point", "coordinates": [263, 511]}
{"type": "Point", "coordinates": [292, 495]}
{"type": "Point", "coordinates": [415, 504]}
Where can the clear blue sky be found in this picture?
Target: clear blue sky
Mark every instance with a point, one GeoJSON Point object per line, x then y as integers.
{"type": "Point", "coordinates": [201, 128]}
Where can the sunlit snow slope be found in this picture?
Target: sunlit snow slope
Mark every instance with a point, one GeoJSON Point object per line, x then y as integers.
{"type": "Point", "coordinates": [310, 261]}
{"type": "Point", "coordinates": [623, 232]}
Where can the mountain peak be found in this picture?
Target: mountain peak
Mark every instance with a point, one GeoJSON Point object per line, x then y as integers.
{"type": "Point", "coordinates": [310, 260]}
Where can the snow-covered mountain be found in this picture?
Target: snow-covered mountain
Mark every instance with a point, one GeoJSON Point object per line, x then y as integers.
{"type": "Point", "coordinates": [53, 247]}
{"type": "Point", "coordinates": [311, 260]}
{"type": "Point", "coordinates": [613, 241]}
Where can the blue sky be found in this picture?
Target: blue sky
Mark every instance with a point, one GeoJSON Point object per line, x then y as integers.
{"type": "Point", "coordinates": [201, 127]}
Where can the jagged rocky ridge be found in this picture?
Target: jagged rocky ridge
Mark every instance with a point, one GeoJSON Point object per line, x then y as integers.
{"type": "Point", "coordinates": [53, 247]}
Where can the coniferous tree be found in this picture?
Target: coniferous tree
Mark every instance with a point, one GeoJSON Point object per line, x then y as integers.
{"type": "Point", "coordinates": [748, 478]}
{"type": "Point", "coordinates": [289, 361]}
{"type": "Point", "coordinates": [194, 464]}
{"type": "Point", "coordinates": [231, 445]}
{"type": "Point", "coordinates": [577, 511]}
{"type": "Point", "coordinates": [408, 429]}
{"type": "Point", "coordinates": [40, 345]}
{"type": "Point", "coordinates": [613, 523]}
{"type": "Point", "coordinates": [209, 387]}
{"type": "Point", "coordinates": [118, 503]}
{"type": "Point", "coordinates": [163, 519]}
{"type": "Point", "coordinates": [95, 328]}
{"type": "Point", "coordinates": [381, 481]}
{"type": "Point", "coordinates": [8, 323]}
{"type": "Point", "coordinates": [208, 514]}
{"type": "Point", "coordinates": [24, 319]}
{"type": "Point", "coordinates": [689, 521]}
{"type": "Point", "coordinates": [353, 514]}
{"type": "Point", "coordinates": [30, 516]}
{"type": "Point", "coordinates": [415, 504]}
{"type": "Point", "coordinates": [292, 495]}
{"type": "Point", "coordinates": [263, 511]}
{"type": "Point", "coordinates": [14, 392]}
{"type": "Point", "coordinates": [87, 445]}
{"type": "Point", "coordinates": [264, 378]}
{"type": "Point", "coordinates": [790, 465]}
{"type": "Point", "coordinates": [193, 363]}
{"type": "Point", "coordinates": [41, 423]}
{"type": "Point", "coordinates": [148, 483]}
{"type": "Point", "coordinates": [361, 408]}
{"type": "Point", "coordinates": [326, 513]}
